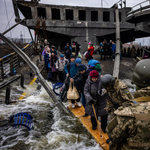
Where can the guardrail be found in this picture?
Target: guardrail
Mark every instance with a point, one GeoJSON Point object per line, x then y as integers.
{"type": "Point", "coordinates": [141, 7]}
{"type": "Point", "coordinates": [10, 62]}
{"type": "Point", "coordinates": [144, 50]}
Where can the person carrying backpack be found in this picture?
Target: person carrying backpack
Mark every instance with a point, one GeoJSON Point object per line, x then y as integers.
{"type": "Point", "coordinates": [60, 64]}
{"type": "Point", "coordinates": [94, 65]}
{"type": "Point", "coordinates": [67, 51]}
{"type": "Point", "coordinates": [54, 50]}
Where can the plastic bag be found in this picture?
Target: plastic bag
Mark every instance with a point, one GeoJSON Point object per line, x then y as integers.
{"type": "Point", "coordinates": [84, 54]}
{"type": "Point", "coordinates": [79, 55]}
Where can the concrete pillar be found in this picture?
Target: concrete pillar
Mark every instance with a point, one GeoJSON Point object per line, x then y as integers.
{"type": "Point", "coordinates": [76, 15]}
{"type": "Point", "coordinates": [62, 14]}
{"type": "Point", "coordinates": [48, 13]}
{"type": "Point", "coordinates": [112, 15]}
{"type": "Point", "coordinates": [100, 16]}
{"type": "Point", "coordinates": [34, 12]}
{"type": "Point", "coordinates": [88, 15]}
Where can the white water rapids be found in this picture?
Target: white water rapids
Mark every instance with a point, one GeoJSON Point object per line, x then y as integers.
{"type": "Point", "coordinates": [53, 130]}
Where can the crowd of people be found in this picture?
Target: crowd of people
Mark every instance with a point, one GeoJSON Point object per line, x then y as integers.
{"type": "Point", "coordinates": [134, 52]}
{"type": "Point", "coordinates": [105, 95]}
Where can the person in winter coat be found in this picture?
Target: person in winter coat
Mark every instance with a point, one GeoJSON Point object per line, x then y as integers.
{"type": "Point", "coordinates": [60, 64]}
{"type": "Point", "coordinates": [79, 81]}
{"type": "Point", "coordinates": [71, 68]}
{"type": "Point", "coordinates": [67, 51]}
{"type": "Point", "coordinates": [53, 60]}
{"type": "Point", "coordinates": [113, 50]}
{"type": "Point", "coordinates": [54, 50]}
{"type": "Point", "coordinates": [105, 47]}
{"type": "Point", "coordinates": [101, 51]}
{"type": "Point", "coordinates": [77, 49]}
{"type": "Point", "coordinates": [90, 51]}
{"type": "Point", "coordinates": [92, 92]}
{"type": "Point", "coordinates": [47, 56]}
{"type": "Point", "coordinates": [44, 51]}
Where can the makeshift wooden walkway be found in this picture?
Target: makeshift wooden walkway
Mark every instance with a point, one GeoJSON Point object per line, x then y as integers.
{"type": "Point", "coordinates": [79, 112]}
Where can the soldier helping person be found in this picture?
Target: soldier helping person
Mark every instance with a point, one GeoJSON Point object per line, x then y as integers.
{"type": "Point", "coordinates": [118, 92]}
{"type": "Point", "coordinates": [130, 129]}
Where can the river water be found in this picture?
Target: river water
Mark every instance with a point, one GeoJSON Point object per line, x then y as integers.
{"type": "Point", "coordinates": [53, 130]}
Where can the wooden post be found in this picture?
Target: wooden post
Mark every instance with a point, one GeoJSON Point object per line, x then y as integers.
{"type": "Point", "coordinates": [117, 53]}
{"type": "Point", "coordinates": [7, 97]}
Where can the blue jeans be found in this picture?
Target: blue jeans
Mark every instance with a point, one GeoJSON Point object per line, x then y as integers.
{"type": "Point", "coordinates": [83, 100]}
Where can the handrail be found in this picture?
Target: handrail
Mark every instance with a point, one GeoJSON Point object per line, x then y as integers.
{"type": "Point", "coordinates": [138, 9]}
{"type": "Point", "coordinates": [10, 62]}
{"type": "Point", "coordinates": [144, 51]}
{"type": "Point", "coordinates": [2, 58]}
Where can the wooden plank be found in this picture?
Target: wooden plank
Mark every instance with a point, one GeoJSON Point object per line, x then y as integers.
{"type": "Point", "coordinates": [86, 121]}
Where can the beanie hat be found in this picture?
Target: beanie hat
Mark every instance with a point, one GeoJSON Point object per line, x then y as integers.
{"type": "Point", "coordinates": [72, 56]}
{"type": "Point", "coordinates": [78, 61]}
{"type": "Point", "coordinates": [94, 74]}
{"type": "Point", "coordinates": [81, 67]}
{"type": "Point", "coordinates": [61, 56]}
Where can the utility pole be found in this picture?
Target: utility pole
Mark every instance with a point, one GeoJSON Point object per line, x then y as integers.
{"type": "Point", "coordinates": [102, 3]}
{"type": "Point", "coordinates": [117, 53]}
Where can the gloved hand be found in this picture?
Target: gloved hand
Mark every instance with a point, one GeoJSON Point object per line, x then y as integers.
{"type": "Point", "coordinates": [92, 101]}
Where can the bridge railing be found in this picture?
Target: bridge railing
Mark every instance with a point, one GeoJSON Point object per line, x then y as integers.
{"type": "Point", "coordinates": [144, 50]}
{"type": "Point", "coordinates": [141, 7]}
{"type": "Point", "coordinates": [12, 61]}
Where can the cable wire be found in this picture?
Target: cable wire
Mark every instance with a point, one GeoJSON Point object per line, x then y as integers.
{"type": "Point", "coordinates": [7, 17]}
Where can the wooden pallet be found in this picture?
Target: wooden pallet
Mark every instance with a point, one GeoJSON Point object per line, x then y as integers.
{"type": "Point", "coordinates": [79, 112]}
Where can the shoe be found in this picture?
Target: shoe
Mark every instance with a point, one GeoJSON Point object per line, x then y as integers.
{"type": "Point", "coordinates": [104, 130]}
{"type": "Point", "coordinates": [94, 128]}
{"type": "Point", "coordinates": [78, 104]}
{"type": "Point", "coordinates": [73, 105]}
{"type": "Point", "coordinates": [85, 115]}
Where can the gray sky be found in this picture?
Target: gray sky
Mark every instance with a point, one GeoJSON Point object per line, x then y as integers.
{"type": "Point", "coordinates": [17, 30]}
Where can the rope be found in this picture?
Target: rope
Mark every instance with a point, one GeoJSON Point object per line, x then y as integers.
{"type": "Point", "coordinates": [7, 17]}
{"type": "Point", "coordinates": [9, 21]}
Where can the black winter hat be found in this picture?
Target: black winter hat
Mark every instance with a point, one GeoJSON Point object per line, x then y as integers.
{"type": "Point", "coordinates": [81, 67]}
{"type": "Point", "coordinates": [72, 56]}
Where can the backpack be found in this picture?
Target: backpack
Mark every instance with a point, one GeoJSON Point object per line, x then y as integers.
{"type": "Point", "coordinates": [94, 65]}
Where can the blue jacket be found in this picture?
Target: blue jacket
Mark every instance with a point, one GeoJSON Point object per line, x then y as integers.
{"type": "Point", "coordinates": [47, 61]}
{"type": "Point", "coordinates": [71, 68]}
{"type": "Point", "coordinates": [113, 47]}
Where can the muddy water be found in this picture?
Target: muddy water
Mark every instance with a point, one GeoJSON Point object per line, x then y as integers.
{"type": "Point", "coordinates": [53, 130]}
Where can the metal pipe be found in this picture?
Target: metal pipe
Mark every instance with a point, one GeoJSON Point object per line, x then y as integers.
{"type": "Point", "coordinates": [13, 26]}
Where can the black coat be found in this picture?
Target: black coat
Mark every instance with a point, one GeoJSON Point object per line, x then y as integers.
{"type": "Point", "coordinates": [67, 51]}
{"type": "Point", "coordinates": [80, 79]}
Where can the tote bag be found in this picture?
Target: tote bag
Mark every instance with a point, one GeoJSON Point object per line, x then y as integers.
{"type": "Point", "coordinates": [72, 93]}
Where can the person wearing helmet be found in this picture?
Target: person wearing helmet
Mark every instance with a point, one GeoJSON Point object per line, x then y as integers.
{"type": "Point", "coordinates": [118, 91]}
{"type": "Point", "coordinates": [93, 95]}
{"type": "Point", "coordinates": [130, 129]}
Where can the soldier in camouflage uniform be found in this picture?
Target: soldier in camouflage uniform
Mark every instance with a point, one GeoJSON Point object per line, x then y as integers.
{"type": "Point", "coordinates": [118, 92]}
{"type": "Point", "coordinates": [130, 129]}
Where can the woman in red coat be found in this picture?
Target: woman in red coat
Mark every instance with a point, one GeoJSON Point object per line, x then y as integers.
{"type": "Point", "coordinates": [90, 51]}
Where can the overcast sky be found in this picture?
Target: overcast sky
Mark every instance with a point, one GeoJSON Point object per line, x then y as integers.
{"type": "Point", "coordinates": [15, 33]}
